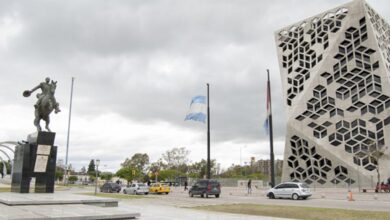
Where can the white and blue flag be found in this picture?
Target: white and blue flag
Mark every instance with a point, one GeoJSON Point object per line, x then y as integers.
{"type": "Point", "coordinates": [197, 110]}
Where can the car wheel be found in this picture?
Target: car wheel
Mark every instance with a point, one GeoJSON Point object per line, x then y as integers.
{"type": "Point", "coordinates": [271, 196]}
{"type": "Point", "coordinates": [124, 191]}
{"type": "Point", "coordinates": [146, 193]}
{"type": "Point", "coordinates": [295, 196]}
{"type": "Point", "coordinates": [202, 195]}
{"type": "Point", "coordinates": [167, 193]}
{"type": "Point", "coordinates": [216, 195]}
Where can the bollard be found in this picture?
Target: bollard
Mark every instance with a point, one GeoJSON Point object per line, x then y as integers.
{"type": "Point", "coordinates": [350, 198]}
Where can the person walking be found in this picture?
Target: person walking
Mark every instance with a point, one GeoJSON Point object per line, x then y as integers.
{"type": "Point", "coordinates": [249, 187]}
{"type": "Point", "coordinates": [185, 185]}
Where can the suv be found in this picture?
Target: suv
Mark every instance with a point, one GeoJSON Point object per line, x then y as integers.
{"type": "Point", "coordinates": [205, 188]}
{"type": "Point", "coordinates": [291, 190]}
{"type": "Point", "coordinates": [110, 187]}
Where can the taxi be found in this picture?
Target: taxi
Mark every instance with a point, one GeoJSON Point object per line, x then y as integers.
{"type": "Point", "coordinates": [159, 188]}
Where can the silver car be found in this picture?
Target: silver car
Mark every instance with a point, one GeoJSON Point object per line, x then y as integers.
{"type": "Point", "coordinates": [137, 188]}
{"type": "Point", "coordinates": [291, 190]}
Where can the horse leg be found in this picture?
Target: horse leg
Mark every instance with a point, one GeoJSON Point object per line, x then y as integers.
{"type": "Point", "coordinates": [47, 120]}
{"type": "Point", "coordinates": [36, 121]}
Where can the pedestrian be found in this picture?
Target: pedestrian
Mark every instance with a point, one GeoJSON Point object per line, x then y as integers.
{"type": "Point", "coordinates": [185, 186]}
{"type": "Point", "coordinates": [249, 186]}
{"type": "Point", "coordinates": [149, 182]}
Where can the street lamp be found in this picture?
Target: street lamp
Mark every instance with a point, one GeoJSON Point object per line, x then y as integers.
{"type": "Point", "coordinates": [97, 162]}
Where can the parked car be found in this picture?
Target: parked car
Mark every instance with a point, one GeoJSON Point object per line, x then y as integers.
{"type": "Point", "coordinates": [291, 190]}
{"type": "Point", "coordinates": [159, 188]}
{"type": "Point", "coordinates": [137, 188]}
{"type": "Point", "coordinates": [383, 187]}
{"type": "Point", "coordinates": [205, 188]}
{"type": "Point", "coordinates": [110, 187]}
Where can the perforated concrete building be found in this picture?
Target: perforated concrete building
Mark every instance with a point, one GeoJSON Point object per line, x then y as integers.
{"type": "Point", "coordinates": [335, 69]}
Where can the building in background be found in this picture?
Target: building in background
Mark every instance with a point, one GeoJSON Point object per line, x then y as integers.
{"type": "Point", "coordinates": [335, 70]}
{"type": "Point", "coordinates": [263, 166]}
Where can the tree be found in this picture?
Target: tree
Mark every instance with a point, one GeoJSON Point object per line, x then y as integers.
{"type": "Point", "coordinates": [83, 170]}
{"type": "Point", "coordinates": [138, 160]}
{"type": "Point", "coordinates": [199, 169]}
{"type": "Point", "coordinates": [176, 157]}
{"type": "Point", "coordinates": [91, 168]}
{"type": "Point", "coordinates": [128, 173]}
{"type": "Point", "coordinates": [8, 167]}
{"type": "Point", "coordinates": [73, 179]}
{"type": "Point", "coordinates": [106, 175]}
{"type": "Point", "coordinates": [375, 153]}
{"type": "Point", "coordinates": [59, 175]}
{"type": "Point", "coordinates": [157, 166]}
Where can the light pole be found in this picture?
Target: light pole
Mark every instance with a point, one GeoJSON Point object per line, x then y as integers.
{"type": "Point", "coordinates": [97, 162]}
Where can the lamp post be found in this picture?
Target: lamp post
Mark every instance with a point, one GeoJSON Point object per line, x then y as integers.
{"type": "Point", "coordinates": [97, 162]}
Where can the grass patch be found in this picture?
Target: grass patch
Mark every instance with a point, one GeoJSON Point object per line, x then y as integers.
{"type": "Point", "coordinates": [5, 189]}
{"type": "Point", "coordinates": [114, 195]}
{"type": "Point", "coordinates": [296, 212]}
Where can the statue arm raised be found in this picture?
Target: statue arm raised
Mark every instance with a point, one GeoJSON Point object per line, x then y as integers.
{"type": "Point", "coordinates": [27, 93]}
{"type": "Point", "coordinates": [35, 88]}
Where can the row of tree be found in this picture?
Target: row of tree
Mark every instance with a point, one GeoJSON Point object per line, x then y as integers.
{"type": "Point", "coordinates": [172, 164]}
{"type": "Point", "coordinates": [175, 163]}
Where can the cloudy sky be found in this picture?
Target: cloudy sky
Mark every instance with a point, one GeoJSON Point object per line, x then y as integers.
{"type": "Point", "coordinates": [137, 64]}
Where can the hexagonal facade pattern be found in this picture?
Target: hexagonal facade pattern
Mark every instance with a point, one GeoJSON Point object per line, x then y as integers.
{"type": "Point", "coordinates": [335, 69]}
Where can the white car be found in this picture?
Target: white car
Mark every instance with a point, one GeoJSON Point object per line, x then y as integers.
{"type": "Point", "coordinates": [137, 188]}
{"type": "Point", "coordinates": [291, 190]}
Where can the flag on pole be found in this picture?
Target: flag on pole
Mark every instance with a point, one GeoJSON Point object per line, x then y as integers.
{"type": "Point", "coordinates": [197, 110]}
{"type": "Point", "coordinates": [266, 122]}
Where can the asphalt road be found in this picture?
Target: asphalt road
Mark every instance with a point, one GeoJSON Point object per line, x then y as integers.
{"type": "Point", "coordinates": [333, 199]}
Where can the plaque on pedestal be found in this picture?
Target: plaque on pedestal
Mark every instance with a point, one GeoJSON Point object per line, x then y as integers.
{"type": "Point", "coordinates": [36, 158]}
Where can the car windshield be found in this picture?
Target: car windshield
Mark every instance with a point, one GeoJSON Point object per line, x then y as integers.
{"type": "Point", "coordinates": [303, 185]}
{"type": "Point", "coordinates": [141, 184]}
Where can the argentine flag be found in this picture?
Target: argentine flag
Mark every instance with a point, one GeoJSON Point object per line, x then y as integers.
{"type": "Point", "coordinates": [197, 110]}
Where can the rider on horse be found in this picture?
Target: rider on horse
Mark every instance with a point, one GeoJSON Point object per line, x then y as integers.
{"type": "Point", "coordinates": [46, 88]}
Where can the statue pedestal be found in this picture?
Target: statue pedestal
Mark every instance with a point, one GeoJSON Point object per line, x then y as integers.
{"type": "Point", "coordinates": [36, 158]}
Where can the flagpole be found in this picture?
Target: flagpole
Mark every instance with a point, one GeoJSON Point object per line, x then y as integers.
{"type": "Point", "coordinates": [67, 138]}
{"type": "Point", "coordinates": [271, 141]}
{"type": "Point", "coordinates": [208, 132]}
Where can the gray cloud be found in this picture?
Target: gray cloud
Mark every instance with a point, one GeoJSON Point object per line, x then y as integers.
{"type": "Point", "coordinates": [144, 60]}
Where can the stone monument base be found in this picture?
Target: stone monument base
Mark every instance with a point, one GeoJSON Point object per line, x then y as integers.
{"type": "Point", "coordinates": [35, 158]}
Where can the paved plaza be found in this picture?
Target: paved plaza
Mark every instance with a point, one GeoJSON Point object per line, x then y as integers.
{"type": "Point", "coordinates": [177, 205]}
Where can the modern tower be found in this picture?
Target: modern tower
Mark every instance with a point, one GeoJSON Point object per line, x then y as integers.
{"type": "Point", "coordinates": [335, 69]}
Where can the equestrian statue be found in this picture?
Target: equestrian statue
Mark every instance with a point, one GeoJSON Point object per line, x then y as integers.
{"type": "Point", "coordinates": [46, 102]}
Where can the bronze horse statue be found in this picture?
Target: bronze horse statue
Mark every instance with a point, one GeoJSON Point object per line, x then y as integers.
{"type": "Point", "coordinates": [46, 103]}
